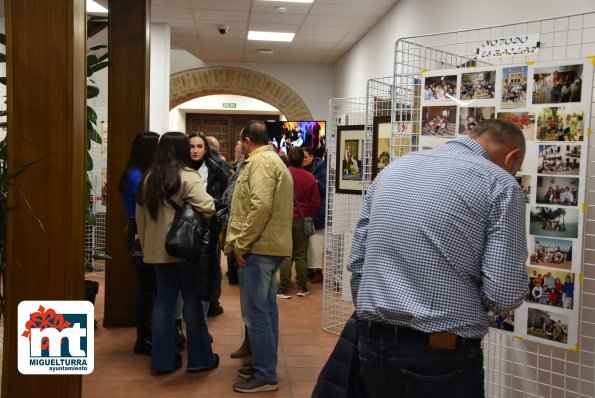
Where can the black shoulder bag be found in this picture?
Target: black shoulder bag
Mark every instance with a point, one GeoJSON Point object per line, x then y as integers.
{"type": "Point", "coordinates": [185, 237]}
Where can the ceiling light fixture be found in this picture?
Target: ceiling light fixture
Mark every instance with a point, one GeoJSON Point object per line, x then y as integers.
{"type": "Point", "coordinates": [280, 10]}
{"type": "Point", "coordinates": [95, 8]}
{"type": "Point", "coordinates": [265, 51]}
{"type": "Point", "coordinates": [270, 36]}
{"type": "Point", "coordinates": [291, 1]}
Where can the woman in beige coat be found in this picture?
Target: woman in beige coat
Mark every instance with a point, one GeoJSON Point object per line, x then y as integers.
{"type": "Point", "coordinates": [171, 177]}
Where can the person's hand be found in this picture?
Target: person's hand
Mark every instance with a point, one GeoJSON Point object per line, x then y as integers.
{"type": "Point", "coordinates": [240, 260]}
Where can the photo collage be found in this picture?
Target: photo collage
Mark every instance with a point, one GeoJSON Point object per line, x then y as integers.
{"type": "Point", "coordinates": [550, 103]}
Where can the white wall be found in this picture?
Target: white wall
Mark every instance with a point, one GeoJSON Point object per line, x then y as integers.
{"type": "Point", "coordinates": [373, 55]}
{"type": "Point", "coordinates": [312, 82]}
{"type": "Point", "coordinates": [159, 81]}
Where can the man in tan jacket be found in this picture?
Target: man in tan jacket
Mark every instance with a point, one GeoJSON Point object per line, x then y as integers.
{"type": "Point", "coordinates": [259, 235]}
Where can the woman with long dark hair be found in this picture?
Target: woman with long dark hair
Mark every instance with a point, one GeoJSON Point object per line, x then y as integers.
{"type": "Point", "coordinates": [141, 156]}
{"type": "Point", "coordinates": [214, 180]}
{"type": "Point", "coordinates": [170, 177]}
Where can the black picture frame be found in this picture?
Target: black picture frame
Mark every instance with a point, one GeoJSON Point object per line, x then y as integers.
{"type": "Point", "coordinates": [349, 162]}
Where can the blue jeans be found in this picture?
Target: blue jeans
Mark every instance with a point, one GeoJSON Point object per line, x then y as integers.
{"type": "Point", "coordinates": [391, 368]}
{"type": "Point", "coordinates": [170, 279]}
{"type": "Point", "coordinates": [258, 302]}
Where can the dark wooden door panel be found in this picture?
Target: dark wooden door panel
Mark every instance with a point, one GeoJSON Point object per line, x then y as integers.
{"type": "Point", "coordinates": [225, 127]}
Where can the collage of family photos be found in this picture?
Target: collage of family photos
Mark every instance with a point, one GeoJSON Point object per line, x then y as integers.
{"type": "Point", "coordinates": [550, 103]}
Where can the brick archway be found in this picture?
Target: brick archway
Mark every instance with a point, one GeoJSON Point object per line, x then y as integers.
{"type": "Point", "coordinates": [214, 80]}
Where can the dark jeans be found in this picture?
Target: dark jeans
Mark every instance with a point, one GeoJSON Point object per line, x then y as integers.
{"type": "Point", "coordinates": [171, 278]}
{"type": "Point", "coordinates": [399, 364]}
{"type": "Point", "coordinates": [232, 269]}
{"type": "Point", "coordinates": [217, 278]}
{"type": "Point", "coordinates": [145, 294]}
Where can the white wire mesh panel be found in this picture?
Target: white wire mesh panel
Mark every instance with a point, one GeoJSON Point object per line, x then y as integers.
{"type": "Point", "coordinates": [341, 215]}
{"type": "Point", "coordinates": [516, 367]}
{"type": "Point", "coordinates": [95, 234]}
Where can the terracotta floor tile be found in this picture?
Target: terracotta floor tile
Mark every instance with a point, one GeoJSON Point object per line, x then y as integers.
{"type": "Point", "coordinates": [303, 349]}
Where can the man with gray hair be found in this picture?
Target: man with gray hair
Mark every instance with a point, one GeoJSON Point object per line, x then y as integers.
{"type": "Point", "coordinates": [440, 241]}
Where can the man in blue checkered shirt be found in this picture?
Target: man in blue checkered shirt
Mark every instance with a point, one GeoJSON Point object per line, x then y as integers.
{"type": "Point", "coordinates": [440, 240]}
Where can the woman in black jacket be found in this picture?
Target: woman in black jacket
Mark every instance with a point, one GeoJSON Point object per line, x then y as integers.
{"type": "Point", "coordinates": [215, 181]}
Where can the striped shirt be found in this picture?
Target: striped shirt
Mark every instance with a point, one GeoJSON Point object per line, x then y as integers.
{"type": "Point", "coordinates": [441, 239]}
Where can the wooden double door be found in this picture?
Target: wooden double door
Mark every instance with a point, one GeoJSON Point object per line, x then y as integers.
{"type": "Point", "coordinates": [225, 127]}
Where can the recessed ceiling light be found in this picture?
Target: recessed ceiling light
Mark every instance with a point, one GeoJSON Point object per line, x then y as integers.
{"type": "Point", "coordinates": [95, 8]}
{"type": "Point", "coordinates": [270, 36]}
{"type": "Point", "coordinates": [291, 1]}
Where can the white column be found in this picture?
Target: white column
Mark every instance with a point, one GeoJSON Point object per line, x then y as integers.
{"type": "Point", "coordinates": [159, 99]}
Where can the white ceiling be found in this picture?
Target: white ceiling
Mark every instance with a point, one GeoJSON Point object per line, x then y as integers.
{"type": "Point", "coordinates": [324, 30]}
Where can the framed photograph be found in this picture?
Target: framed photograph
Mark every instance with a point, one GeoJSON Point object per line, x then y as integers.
{"type": "Point", "coordinates": [548, 325]}
{"type": "Point", "coordinates": [550, 252]}
{"type": "Point", "coordinates": [501, 320]}
{"type": "Point", "coordinates": [514, 87]}
{"type": "Point", "coordinates": [524, 120]}
{"type": "Point", "coordinates": [349, 167]}
{"type": "Point", "coordinates": [437, 87]}
{"type": "Point", "coordinates": [550, 287]}
{"type": "Point", "coordinates": [439, 121]}
{"type": "Point", "coordinates": [554, 190]}
{"type": "Point", "coordinates": [556, 84]}
{"type": "Point", "coordinates": [381, 143]}
{"type": "Point", "coordinates": [554, 222]}
{"type": "Point", "coordinates": [478, 85]}
{"type": "Point", "coordinates": [559, 159]}
{"type": "Point", "coordinates": [560, 123]}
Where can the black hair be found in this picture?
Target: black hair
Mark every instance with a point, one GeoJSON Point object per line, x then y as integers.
{"type": "Point", "coordinates": [256, 130]}
{"type": "Point", "coordinates": [309, 150]}
{"type": "Point", "coordinates": [141, 155]}
{"type": "Point", "coordinates": [295, 156]}
{"type": "Point", "coordinates": [163, 177]}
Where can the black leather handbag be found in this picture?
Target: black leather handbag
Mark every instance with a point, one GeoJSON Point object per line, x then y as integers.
{"type": "Point", "coordinates": [185, 237]}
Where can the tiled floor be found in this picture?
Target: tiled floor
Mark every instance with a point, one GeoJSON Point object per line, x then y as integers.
{"type": "Point", "coordinates": [303, 349]}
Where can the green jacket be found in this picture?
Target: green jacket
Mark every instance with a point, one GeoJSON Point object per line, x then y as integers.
{"type": "Point", "coordinates": [261, 207]}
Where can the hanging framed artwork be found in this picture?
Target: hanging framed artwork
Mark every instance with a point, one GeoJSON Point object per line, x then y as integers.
{"type": "Point", "coordinates": [349, 166]}
{"type": "Point", "coordinates": [381, 144]}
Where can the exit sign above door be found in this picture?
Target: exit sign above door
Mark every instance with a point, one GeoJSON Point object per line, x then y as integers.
{"type": "Point", "coordinates": [229, 104]}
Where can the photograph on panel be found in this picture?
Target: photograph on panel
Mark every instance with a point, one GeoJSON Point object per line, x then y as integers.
{"type": "Point", "coordinates": [349, 156]}
{"type": "Point", "coordinates": [557, 190]}
{"type": "Point", "coordinates": [478, 85]}
{"type": "Point", "coordinates": [549, 287]}
{"type": "Point", "coordinates": [437, 87]}
{"type": "Point", "coordinates": [556, 222]}
{"type": "Point", "coordinates": [514, 87]}
{"type": "Point", "coordinates": [352, 163]}
{"type": "Point", "coordinates": [439, 121]}
{"type": "Point", "coordinates": [559, 159]}
{"type": "Point", "coordinates": [550, 252]}
{"type": "Point", "coordinates": [548, 325]}
{"type": "Point", "coordinates": [556, 84]}
{"type": "Point", "coordinates": [560, 123]}
{"type": "Point", "coordinates": [524, 120]}
{"type": "Point", "coordinates": [469, 117]}
{"type": "Point", "coordinates": [525, 184]}
{"type": "Point", "coordinates": [503, 320]}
